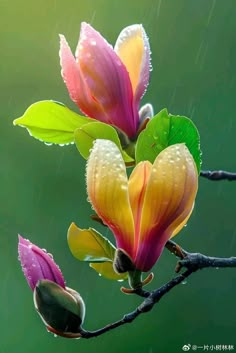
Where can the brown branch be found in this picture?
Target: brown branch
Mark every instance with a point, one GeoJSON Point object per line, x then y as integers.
{"type": "Point", "coordinates": [191, 261]}
{"type": "Point", "coordinates": [216, 175]}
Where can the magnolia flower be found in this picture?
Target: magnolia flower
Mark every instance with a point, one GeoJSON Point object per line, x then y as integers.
{"type": "Point", "coordinates": [150, 207]}
{"type": "Point", "coordinates": [107, 84]}
{"type": "Point", "coordinates": [61, 308]}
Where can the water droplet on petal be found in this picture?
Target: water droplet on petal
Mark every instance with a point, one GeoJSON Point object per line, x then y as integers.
{"type": "Point", "coordinates": [124, 187]}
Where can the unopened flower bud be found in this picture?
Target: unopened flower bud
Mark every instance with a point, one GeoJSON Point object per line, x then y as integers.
{"type": "Point", "coordinates": [37, 264]}
{"type": "Point", "coordinates": [145, 112]}
{"type": "Point", "coordinates": [62, 310]}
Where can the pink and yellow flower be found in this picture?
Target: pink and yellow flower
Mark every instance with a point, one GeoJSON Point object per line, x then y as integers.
{"type": "Point", "coordinates": [151, 206]}
{"type": "Point", "coordinates": [107, 84]}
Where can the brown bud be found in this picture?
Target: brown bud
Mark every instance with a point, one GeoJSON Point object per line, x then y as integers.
{"type": "Point", "coordinates": [122, 262]}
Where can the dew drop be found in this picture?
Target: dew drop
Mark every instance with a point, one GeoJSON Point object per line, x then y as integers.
{"type": "Point", "coordinates": [123, 187]}
{"type": "Point", "coordinates": [184, 281]}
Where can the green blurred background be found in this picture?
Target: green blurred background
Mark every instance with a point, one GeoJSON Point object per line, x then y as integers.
{"type": "Point", "coordinates": [43, 189]}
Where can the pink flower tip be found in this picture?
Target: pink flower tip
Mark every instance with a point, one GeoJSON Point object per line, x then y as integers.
{"type": "Point", "coordinates": [37, 264]}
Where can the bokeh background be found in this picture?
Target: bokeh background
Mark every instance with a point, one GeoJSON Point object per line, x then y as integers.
{"type": "Point", "coordinates": [43, 189]}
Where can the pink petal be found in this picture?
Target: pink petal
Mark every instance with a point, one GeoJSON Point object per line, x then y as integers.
{"type": "Point", "coordinates": [37, 264]}
{"type": "Point", "coordinates": [107, 80]}
{"type": "Point", "coordinates": [151, 249]}
{"type": "Point", "coordinates": [76, 85]}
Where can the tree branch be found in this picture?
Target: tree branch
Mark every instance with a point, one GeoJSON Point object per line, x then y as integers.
{"type": "Point", "coordinates": [216, 175]}
{"type": "Point", "coordinates": [192, 262]}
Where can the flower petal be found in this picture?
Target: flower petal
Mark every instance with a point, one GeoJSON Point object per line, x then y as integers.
{"type": "Point", "coordinates": [133, 48]}
{"type": "Point", "coordinates": [37, 264]}
{"type": "Point", "coordinates": [107, 80]}
{"type": "Point", "coordinates": [137, 188]}
{"type": "Point", "coordinates": [76, 85]}
{"type": "Point", "coordinates": [169, 200]}
{"type": "Point", "coordinates": [107, 186]}
{"type": "Point", "coordinates": [182, 224]}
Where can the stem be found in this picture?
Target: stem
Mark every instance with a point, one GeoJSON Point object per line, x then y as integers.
{"type": "Point", "coordinates": [191, 261]}
{"type": "Point", "coordinates": [216, 175]}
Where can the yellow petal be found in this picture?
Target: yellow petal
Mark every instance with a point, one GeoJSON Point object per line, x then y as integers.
{"type": "Point", "coordinates": [132, 46]}
{"type": "Point", "coordinates": [107, 187]}
{"type": "Point", "coordinates": [177, 229]}
{"type": "Point", "coordinates": [137, 188]}
{"type": "Point", "coordinates": [171, 190]}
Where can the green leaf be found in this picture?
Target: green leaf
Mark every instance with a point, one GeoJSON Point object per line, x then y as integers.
{"type": "Point", "coordinates": [87, 134]}
{"type": "Point", "coordinates": [51, 122]}
{"type": "Point", "coordinates": [106, 270]}
{"type": "Point", "coordinates": [89, 245]}
{"type": "Point", "coordinates": [164, 130]}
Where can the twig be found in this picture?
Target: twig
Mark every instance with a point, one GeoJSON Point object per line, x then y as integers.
{"type": "Point", "coordinates": [144, 307]}
{"type": "Point", "coordinates": [191, 261]}
{"type": "Point", "coordinates": [216, 175]}
{"type": "Point", "coordinates": [176, 249]}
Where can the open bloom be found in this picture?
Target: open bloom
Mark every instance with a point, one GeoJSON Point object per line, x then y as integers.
{"type": "Point", "coordinates": [151, 206]}
{"type": "Point", "coordinates": [107, 84]}
{"type": "Point", "coordinates": [61, 308]}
